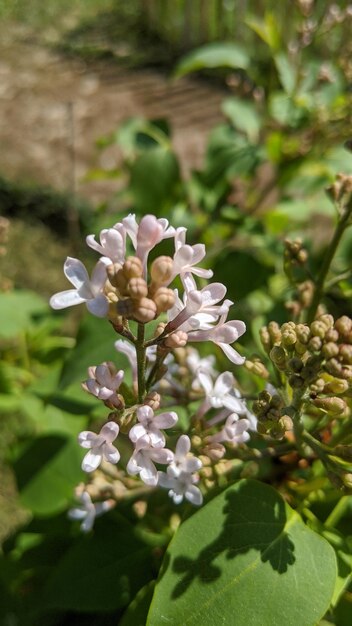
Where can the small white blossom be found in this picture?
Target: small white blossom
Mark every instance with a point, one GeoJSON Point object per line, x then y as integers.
{"type": "Point", "coordinates": [88, 510]}
{"type": "Point", "coordinates": [103, 382]}
{"type": "Point", "coordinates": [186, 258]}
{"type": "Point", "coordinates": [112, 244]}
{"type": "Point", "coordinates": [100, 446]}
{"type": "Point", "coordinates": [234, 431]}
{"type": "Point", "coordinates": [148, 429]}
{"type": "Point", "coordinates": [223, 334]}
{"type": "Point", "coordinates": [86, 290]}
{"type": "Point", "coordinates": [143, 459]}
{"type": "Point", "coordinates": [220, 394]}
{"type": "Point", "coordinates": [180, 478]}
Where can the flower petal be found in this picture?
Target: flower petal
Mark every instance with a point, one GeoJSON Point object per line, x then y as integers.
{"type": "Point", "coordinates": [111, 453]}
{"type": "Point", "coordinates": [91, 461]}
{"type": "Point", "coordinates": [76, 272]}
{"type": "Point", "coordinates": [99, 306]}
{"type": "Point", "coordinates": [183, 446]}
{"type": "Point", "coordinates": [109, 431]}
{"type": "Point", "coordinates": [63, 299]}
{"type": "Point", "coordinates": [194, 495]}
{"type": "Point", "coordinates": [87, 439]}
{"type": "Point", "coordinates": [232, 354]}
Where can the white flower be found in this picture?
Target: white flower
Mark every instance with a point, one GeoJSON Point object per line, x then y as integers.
{"type": "Point", "coordinates": [100, 446]}
{"type": "Point", "coordinates": [198, 309]}
{"type": "Point", "coordinates": [196, 363]}
{"type": "Point", "coordinates": [180, 478]}
{"type": "Point", "coordinates": [148, 429]}
{"type": "Point", "coordinates": [186, 258]}
{"type": "Point", "coordinates": [86, 290]}
{"type": "Point", "coordinates": [112, 244]}
{"type": "Point", "coordinates": [104, 381]}
{"type": "Point", "coordinates": [221, 393]}
{"type": "Point", "coordinates": [147, 234]}
{"type": "Point", "coordinates": [142, 462]}
{"type": "Point", "coordinates": [88, 511]}
{"type": "Point", "coordinates": [234, 430]}
{"type": "Point", "coordinates": [223, 334]}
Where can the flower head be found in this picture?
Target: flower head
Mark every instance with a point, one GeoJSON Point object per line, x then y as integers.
{"type": "Point", "coordinates": [88, 511]}
{"type": "Point", "coordinates": [100, 446]}
{"type": "Point", "coordinates": [148, 428]}
{"type": "Point", "coordinates": [143, 459]}
{"type": "Point", "coordinates": [103, 382]}
{"type": "Point", "coordinates": [180, 478]}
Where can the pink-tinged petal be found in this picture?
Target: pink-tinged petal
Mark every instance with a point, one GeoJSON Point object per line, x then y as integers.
{"type": "Point", "coordinates": [76, 272]}
{"type": "Point", "coordinates": [165, 420]}
{"type": "Point", "coordinates": [137, 431]}
{"type": "Point", "coordinates": [205, 381]}
{"type": "Point", "coordinates": [202, 273]}
{"type": "Point", "coordinates": [90, 241]}
{"type": "Point", "coordinates": [232, 354]}
{"type": "Point", "coordinates": [149, 473]}
{"type": "Point", "coordinates": [99, 275]}
{"type": "Point", "coordinates": [88, 439]}
{"type": "Point", "coordinates": [194, 495]}
{"type": "Point", "coordinates": [183, 446]}
{"type": "Point", "coordinates": [233, 404]}
{"type": "Point", "coordinates": [111, 453]}
{"type": "Point", "coordinates": [213, 293]}
{"type": "Point", "coordinates": [131, 227]}
{"type": "Point", "coordinates": [224, 383]}
{"type": "Point", "coordinates": [88, 523]}
{"type": "Point", "coordinates": [161, 455]}
{"type": "Point", "coordinates": [177, 497]}
{"type": "Point", "coordinates": [91, 461]}
{"type": "Point", "coordinates": [103, 375]}
{"type": "Point", "coordinates": [109, 431]}
{"type": "Point", "coordinates": [191, 464]}
{"type": "Point", "coordinates": [77, 514]}
{"type": "Point", "coordinates": [166, 481]}
{"type": "Point", "coordinates": [64, 299]}
{"type": "Point", "coordinates": [103, 507]}
{"type": "Point", "coordinates": [145, 414]}
{"type": "Point", "coordinates": [132, 465]}
{"type": "Point", "coordinates": [98, 307]}
{"type": "Point", "coordinates": [91, 386]}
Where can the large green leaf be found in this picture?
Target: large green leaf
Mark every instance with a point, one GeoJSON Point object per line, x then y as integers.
{"type": "Point", "coordinates": [213, 55]}
{"type": "Point", "coordinates": [243, 115]}
{"type": "Point", "coordinates": [244, 559]}
{"type": "Point", "coordinates": [102, 571]}
{"type": "Point", "coordinates": [47, 472]}
{"type": "Point", "coordinates": [155, 176]}
{"type": "Point", "coordinates": [17, 310]}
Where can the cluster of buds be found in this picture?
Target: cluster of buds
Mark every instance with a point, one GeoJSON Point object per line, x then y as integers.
{"type": "Point", "coordinates": [269, 410]}
{"type": "Point", "coordinates": [315, 359]}
{"type": "Point", "coordinates": [341, 191]}
{"type": "Point", "coordinates": [130, 293]}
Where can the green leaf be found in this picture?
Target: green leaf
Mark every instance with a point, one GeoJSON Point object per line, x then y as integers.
{"type": "Point", "coordinates": [102, 572]}
{"type": "Point", "coordinates": [136, 613]}
{"type": "Point", "coordinates": [268, 30]}
{"type": "Point", "coordinates": [47, 472]}
{"type": "Point", "coordinates": [243, 115]}
{"type": "Point", "coordinates": [286, 71]}
{"type": "Point", "coordinates": [245, 558]}
{"type": "Point", "coordinates": [155, 176]}
{"type": "Point", "coordinates": [17, 310]}
{"type": "Point", "coordinates": [213, 55]}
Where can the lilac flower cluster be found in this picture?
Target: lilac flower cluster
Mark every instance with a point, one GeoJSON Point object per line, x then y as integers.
{"type": "Point", "coordinates": [130, 292]}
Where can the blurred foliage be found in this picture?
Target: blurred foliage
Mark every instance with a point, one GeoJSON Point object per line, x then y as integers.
{"type": "Point", "coordinates": [263, 179]}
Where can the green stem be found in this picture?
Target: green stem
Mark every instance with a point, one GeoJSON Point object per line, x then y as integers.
{"type": "Point", "coordinates": [319, 286]}
{"type": "Point", "coordinates": [338, 512]}
{"type": "Point", "coordinates": [140, 354]}
{"type": "Point", "coordinates": [298, 428]}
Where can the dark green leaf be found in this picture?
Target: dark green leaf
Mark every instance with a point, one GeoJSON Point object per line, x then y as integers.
{"type": "Point", "coordinates": [245, 558]}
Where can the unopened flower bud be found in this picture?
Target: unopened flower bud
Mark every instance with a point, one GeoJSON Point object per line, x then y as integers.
{"type": "Point", "coordinates": [333, 405]}
{"type": "Point", "coordinates": [332, 335]}
{"type": "Point", "coordinates": [327, 320]}
{"type": "Point", "coordinates": [161, 270]}
{"type": "Point", "coordinates": [145, 310]}
{"type": "Point", "coordinates": [164, 299]}
{"type": "Point", "coordinates": [330, 350]}
{"type": "Point", "coordinates": [295, 364]}
{"type": "Point", "coordinates": [315, 344]}
{"type": "Point", "coordinates": [278, 357]}
{"type": "Point", "coordinates": [346, 353]}
{"type": "Point", "coordinates": [311, 368]}
{"type": "Point", "coordinates": [137, 288]}
{"type": "Point", "coordinates": [289, 338]}
{"type": "Point", "coordinates": [318, 385]}
{"type": "Point", "coordinates": [286, 422]}
{"type": "Point", "coordinates": [302, 333]}
{"type": "Point", "coordinates": [111, 271]}
{"type": "Point", "coordinates": [125, 307]}
{"type": "Point", "coordinates": [318, 329]}
{"type": "Point", "coordinates": [300, 348]}
{"type": "Point", "coordinates": [132, 268]}
{"type": "Point", "coordinates": [152, 399]}
{"type": "Point", "coordinates": [347, 480]}
{"type": "Point", "coordinates": [120, 282]}
{"type": "Point", "coordinates": [336, 385]}
{"type": "Point", "coordinates": [296, 381]}
{"type": "Point", "coordinates": [343, 325]}
{"type": "Point", "coordinates": [274, 332]}
{"type": "Point", "coordinates": [257, 367]}
{"type": "Point", "coordinates": [178, 339]}
{"type": "Point", "coordinates": [215, 451]}
{"type": "Point", "coordinates": [265, 338]}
